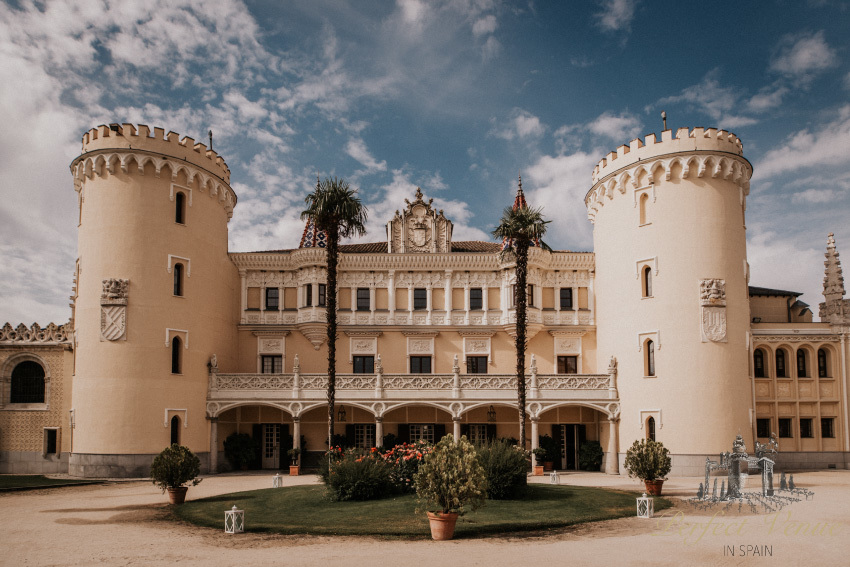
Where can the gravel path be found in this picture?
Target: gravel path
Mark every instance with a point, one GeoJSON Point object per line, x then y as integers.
{"type": "Point", "coordinates": [126, 523]}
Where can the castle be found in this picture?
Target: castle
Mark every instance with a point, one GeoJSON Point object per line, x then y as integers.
{"type": "Point", "coordinates": [654, 334]}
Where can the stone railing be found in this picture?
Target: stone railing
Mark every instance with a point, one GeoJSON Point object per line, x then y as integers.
{"type": "Point", "coordinates": [573, 381]}
{"type": "Point", "coordinates": [251, 381]}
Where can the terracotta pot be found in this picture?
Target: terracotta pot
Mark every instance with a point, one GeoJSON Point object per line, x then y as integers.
{"type": "Point", "coordinates": [294, 470]}
{"type": "Point", "coordinates": [653, 487]}
{"type": "Point", "coordinates": [442, 525]}
{"type": "Point", "coordinates": [177, 495]}
{"type": "Point", "coordinates": [538, 470]}
{"type": "Point", "coordinates": [548, 465]}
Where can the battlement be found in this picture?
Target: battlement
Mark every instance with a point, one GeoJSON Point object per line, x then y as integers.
{"type": "Point", "coordinates": [130, 137]}
{"type": "Point", "coordinates": [705, 139]}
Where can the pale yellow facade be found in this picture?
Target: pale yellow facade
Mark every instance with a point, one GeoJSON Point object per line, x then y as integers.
{"type": "Point", "coordinates": [652, 334]}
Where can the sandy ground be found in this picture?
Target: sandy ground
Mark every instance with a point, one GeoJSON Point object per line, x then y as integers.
{"type": "Point", "coordinates": [124, 524]}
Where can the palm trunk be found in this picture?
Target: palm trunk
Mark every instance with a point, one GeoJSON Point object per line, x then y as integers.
{"type": "Point", "coordinates": [521, 303]}
{"type": "Point", "coordinates": [330, 317]}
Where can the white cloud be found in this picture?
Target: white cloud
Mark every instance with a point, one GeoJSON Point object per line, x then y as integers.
{"type": "Point", "coordinates": [816, 196]}
{"type": "Point", "coordinates": [356, 148]}
{"type": "Point", "coordinates": [847, 81]}
{"type": "Point", "coordinates": [485, 25]}
{"type": "Point", "coordinates": [618, 127]}
{"type": "Point", "coordinates": [767, 98]}
{"type": "Point", "coordinates": [615, 15]}
{"type": "Point", "coordinates": [521, 124]}
{"type": "Point", "coordinates": [716, 100]}
{"type": "Point", "coordinates": [802, 56]}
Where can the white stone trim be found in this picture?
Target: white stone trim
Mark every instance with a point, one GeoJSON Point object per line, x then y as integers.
{"type": "Point", "coordinates": [650, 413]}
{"type": "Point", "coordinates": [182, 188]}
{"type": "Point", "coordinates": [650, 189]}
{"type": "Point", "coordinates": [171, 261]}
{"type": "Point", "coordinates": [654, 335]}
{"type": "Point", "coordinates": [639, 265]}
{"type": "Point", "coordinates": [171, 412]}
{"type": "Point", "coordinates": [169, 333]}
{"type": "Point", "coordinates": [420, 346]}
{"type": "Point", "coordinates": [477, 346]}
{"type": "Point", "coordinates": [362, 345]}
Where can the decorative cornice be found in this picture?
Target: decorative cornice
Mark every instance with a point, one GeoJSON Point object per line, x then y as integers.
{"type": "Point", "coordinates": [353, 333]}
{"type": "Point", "coordinates": [52, 334]}
{"type": "Point", "coordinates": [271, 334]}
{"type": "Point", "coordinates": [417, 333]}
{"type": "Point", "coordinates": [476, 332]}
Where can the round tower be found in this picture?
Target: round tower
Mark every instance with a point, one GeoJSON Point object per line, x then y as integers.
{"type": "Point", "coordinates": [671, 283]}
{"type": "Point", "coordinates": [157, 296]}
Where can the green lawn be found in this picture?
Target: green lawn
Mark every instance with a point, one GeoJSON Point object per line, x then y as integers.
{"type": "Point", "coordinates": [306, 510]}
{"type": "Point", "coordinates": [16, 481]}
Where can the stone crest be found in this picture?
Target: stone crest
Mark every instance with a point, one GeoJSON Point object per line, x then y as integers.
{"type": "Point", "coordinates": [113, 309]}
{"type": "Point", "coordinates": [713, 310]}
{"type": "Point", "coordinates": [419, 228]}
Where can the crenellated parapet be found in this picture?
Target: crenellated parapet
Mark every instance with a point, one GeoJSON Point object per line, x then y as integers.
{"type": "Point", "coordinates": [701, 153]}
{"type": "Point", "coordinates": [109, 149]}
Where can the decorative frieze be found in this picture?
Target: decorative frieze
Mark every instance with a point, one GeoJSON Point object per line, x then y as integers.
{"type": "Point", "coordinates": [51, 334]}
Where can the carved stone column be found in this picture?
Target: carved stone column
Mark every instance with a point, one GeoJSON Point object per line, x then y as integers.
{"type": "Point", "coordinates": [429, 303]}
{"type": "Point", "coordinates": [448, 298]}
{"type": "Point", "coordinates": [456, 428]}
{"type": "Point", "coordinates": [485, 302]}
{"type": "Point", "coordinates": [612, 463]}
{"type": "Point", "coordinates": [410, 301]}
{"type": "Point", "coordinates": [243, 276]}
{"type": "Point", "coordinates": [213, 445]}
{"type": "Point", "coordinates": [535, 438]}
{"type": "Point", "coordinates": [296, 432]}
{"type": "Point", "coordinates": [391, 293]}
{"type": "Point", "coordinates": [379, 431]}
{"type": "Point", "coordinates": [466, 303]}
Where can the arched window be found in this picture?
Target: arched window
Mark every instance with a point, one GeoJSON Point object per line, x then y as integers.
{"type": "Point", "coordinates": [801, 363]}
{"type": "Point", "coordinates": [647, 282]}
{"type": "Point", "coordinates": [178, 279]}
{"type": "Point", "coordinates": [823, 367]}
{"type": "Point", "coordinates": [27, 383]}
{"type": "Point", "coordinates": [758, 363]}
{"type": "Point", "coordinates": [650, 358]}
{"type": "Point", "coordinates": [180, 208]}
{"type": "Point", "coordinates": [644, 200]}
{"type": "Point", "coordinates": [175, 430]}
{"type": "Point", "coordinates": [176, 356]}
{"type": "Point", "coordinates": [780, 364]}
{"type": "Point", "coordinates": [650, 428]}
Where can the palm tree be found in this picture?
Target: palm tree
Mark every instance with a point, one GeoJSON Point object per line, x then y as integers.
{"type": "Point", "coordinates": [334, 208]}
{"type": "Point", "coordinates": [519, 228]}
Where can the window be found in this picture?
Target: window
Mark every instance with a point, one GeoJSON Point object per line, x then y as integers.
{"type": "Point", "coordinates": [530, 295]}
{"type": "Point", "coordinates": [27, 383]}
{"type": "Point", "coordinates": [363, 299]}
{"type": "Point", "coordinates": [50, 441]}
{"type": "Point", "coordinates": [178, 279]}
{"type": "Point", "coordinates": [807, 427]}
{"type": "Point", "coordinates": [758, 363]}
{"type": "Point", "coordinates": [175, 355]}
{"type": "Point", "coordinates": [785, 427]}
{"type": "Point", "coordinates": [650, 358]}
{"type": "Point", "coordinates": [420, 432]}
{"type": "Point", "coordinates": [763, 428]}
{"type": "Point", "coordinates": [780, 364]}
{"type": "Point", "coordinates": [822, 367]}
{"type": "Point", "coordinates": [476, 300]}
{"type": "Point", "coordinates": [827, 427]}
{"type": "Point", "coordinates": [477, 433]}
{"type": "Point", "coordinates": [322, 294]}
{"type": "Point", "coordinates": [272, 298]}
{"type": "Point", "coordinates": [420, 364]}
{"type": "Point", "coordinates": [566, 298]}
{"type": "Point", "coordinates": [364, 364]}
{"type": "Point", "coordinates": [180, 208]}
{"type": "Point", "coordinates": [420, 298]}
{"type": "Point", "coordinates": [647, 281]}
{"type": "Point", "coordinates": [364, 435]}
{"type": "Point", "coordinates": [308, 295]}
{"type": "Point", "coordinates": [801, 363]}
{"type": "Point", "coordinates": [567, 365]}
{"type": "Point", "coordinates": [644, 200]}
{"type": "Point", "coordinates": [272, 364]}
{"type": "Point", "coordinates": [650, 428]}
{"type": "Point", "coordinates": [175, 430]}
{"type": "Point", "coordinates": [476, 365]}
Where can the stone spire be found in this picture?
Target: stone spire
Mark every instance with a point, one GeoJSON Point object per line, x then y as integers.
{"type": "Point", "coordinates": [312, 237]}
{"type": "Point", "coordinates": [519, 203]}
{"type": "Point", "coordinates": [835, 309]}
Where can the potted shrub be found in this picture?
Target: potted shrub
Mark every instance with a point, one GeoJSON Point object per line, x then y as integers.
{"type": "Point", "coordinates": [293, 456]}
{"type": "Point", "coordinates": [539, 458]}
{"type": "Point", "coordinates": [450, 480]}
{"type": "Point", "coordinates": [590, 456]}
{"type": "Point", "coordinates": [174, 468]}
{"type": "Point", "coordinates": [241, 450]}
{"type": "Point", "coordinates": [648, 461]}
{"type": "Point", "coordinates": [553, 452]}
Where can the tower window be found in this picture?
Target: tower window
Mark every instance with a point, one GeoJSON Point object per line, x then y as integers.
{"type": "Point", "coordinates": [650, 428]}
{"type": "Point", "coordinates": [650, 358]}
{"type": "Point", "coordinates": [420, 298]}
{"type": "Point", "coordinates": [758, 363]}
{"type": "Point", "coordinates": [823, 369]}
{"type": "Point", "coordinates": [644, 201]}
{"type": "Point", "coordinates": [807, 428]}
{"type": "Point", "coordinates": [566, 298]}
{"type": "Point", "coordinates": [567, 365]}
{"type": "Point", "coordinates": [272, 298]}
{"type": "Point", "coordinates": [827, 427]}
{"type": "Point", "coordinates": [363, 299]}
{"type": "Point", "coordinates": [322, 294]}
{"type": "Point", "coordinates": [780, 364]}
{"type": "Point", "coordinates": [180, 208]}
{"type": "Point", "coordinates": [176, 355]}
{"type": "Point", "coordinates": [27, 383]}
{"type": "Point", "coordinates": [647, 282]}
{"type": "Point", "coordinates": [175, 430]}
{"type": "Point", "coordinates": [178, 280]}
{"type": "Point", "coordinates": [785, 427]}
{"type": "Point", "coordinates": [476, 301]}
{"type": "Point", "coordinates": [308, 295]}
{"type": "Point", "coordinates": [801, 364]}
{"type": "Point", "coordinates": [763, 427]}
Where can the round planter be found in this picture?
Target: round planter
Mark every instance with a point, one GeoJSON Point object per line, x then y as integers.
{"type": "Point", "coordinates": [653, 487]}
{"type": "Point", "coordinates": [442, 525]}
{"type": "Point", "coordinates": [548, 465]}
{"type": "Point", "coordinates": [294, 470]}
{"type": "Point", "coordinates": [177, 495]}
{"type": "Point", "coordinates": [538, 470]}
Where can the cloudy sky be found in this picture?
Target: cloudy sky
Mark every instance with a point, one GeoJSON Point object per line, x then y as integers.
{"type": "Point", "coordinates": [454, 96]}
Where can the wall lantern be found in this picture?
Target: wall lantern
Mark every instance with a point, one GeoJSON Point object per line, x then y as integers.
{"type": "Point", "coordinates": [491, 414]}
{"type": "Point", "coordinates": [340, 416]}
{"type": "Point", "coordinates": [234, 521]}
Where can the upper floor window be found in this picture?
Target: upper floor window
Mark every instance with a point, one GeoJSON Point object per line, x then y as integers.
{"type": "Point", "coordinates": [758, 363]}
{"type": "Point", "coordinates": [785, 429]}
{"type": "Point", "coordinates": [176, 355]}
{"type": "Point", "coordinates": [807, 427]}
{"type": "Point", "coordinates": [801, 363]}
{"type": "Point", "coordinates": [180, 207]}
{"type": "Point", "coordinates": [272, 298]}
{"type": "Point", "coordinates": [827, 427]}
{"type": "Point", "coordinates": [420, 298]}
{"type": "Point", "coordinates": [567, 365]}
{"type": "Point", "coordinates": [763, 427]}
{"type": "Point", "coordinates": [823, 369]}
{"type": "Point", "coordinates": [363, 299]}
{"type": "Point", "coordinates": [364, 364]}
{"type": "Point", "coordinates": [529, 295]}
{"type": "Point", "coordinates": [476, 298]}
{"type": "Point", "coordinates": [780, 364]}
{"type": "Point", "coordinates": [647, 281]}
{"type": "Point", "coordinates": [178, 279]}
{"type": "Point", "coordinates": [566, 298]}
{"type": "Point", "coordinates": [27, 383]}
{"type": "Point", "coordinates": [308, 295]}
{"type": "Point", "coordinates": [644, 202]}
{"type": "Point", "coordinates": [272, 364]}
{"type": "Point", "coordinates": [650, 428]}
{"type": "Point", "coordinates": [476, 365]}
{"type": "Point", "coordinates": [420, 364]}
{"type": "Point", "coordinates": [650, 358]}
{"type": "Point", "coordinates": [322, 294]}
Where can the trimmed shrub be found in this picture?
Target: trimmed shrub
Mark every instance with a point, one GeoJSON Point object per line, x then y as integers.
{"type": "Point", "coordinates": [553, 449]}
{"type": "Point", "coordinates": [648, 460]}
{"type": "Point", "coordinates": [404, 461]}
{"type": "Point", "coordinates": [451, 479]}
{"type": "Point", "coordinates": [357, 476]}
{"type": "Point", "coordinates": [240, 449]}
{"type": "Point", "coordinates": [505, 469]}
{"type": "Point", "coordinates": [175, 466]}
{"type": "Point", "coordinates": [590, 456]}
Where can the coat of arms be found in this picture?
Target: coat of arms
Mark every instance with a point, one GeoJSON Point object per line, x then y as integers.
{"type": "Point", "coordinates": [713, 310]}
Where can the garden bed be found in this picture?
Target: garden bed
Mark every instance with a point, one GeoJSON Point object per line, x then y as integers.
{"type": "Point", "coordinates": [307, 510]}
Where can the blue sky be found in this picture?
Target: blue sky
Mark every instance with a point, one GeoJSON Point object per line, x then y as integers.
{"type": "Point", "coordinates": [454, 96]}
